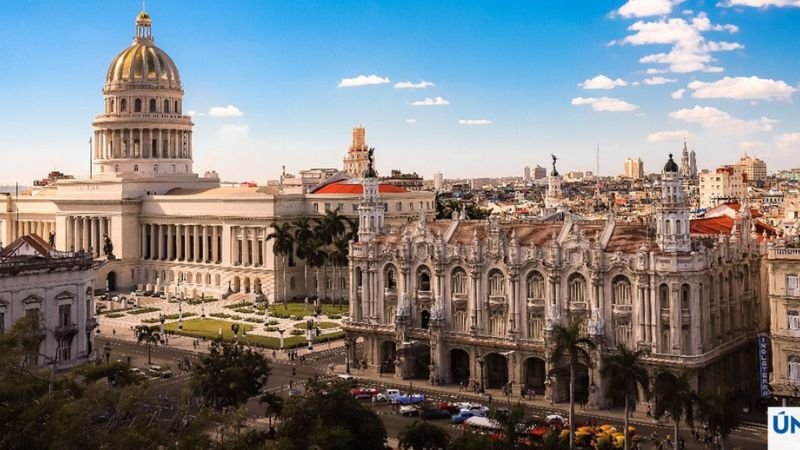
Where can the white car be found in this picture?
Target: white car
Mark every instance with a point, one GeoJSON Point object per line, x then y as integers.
{"type": "Point", "coordinates": [387, 395]}
{"type": "Point", "coordinates": [409, 410]}
{"type": "Point", "coordinates": [466, 406]}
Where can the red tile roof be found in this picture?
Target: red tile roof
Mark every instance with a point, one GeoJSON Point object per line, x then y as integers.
{"type": "Point", "coordinates": [39, 245]}
{"type": "Point", "coordinates": [353, 188]}
{"type": "Point", "coordinates": [724, 225]}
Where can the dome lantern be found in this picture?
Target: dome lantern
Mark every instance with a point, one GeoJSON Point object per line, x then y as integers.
{"type": "Point", "coordinates": [671, 166]}
{"type": "Point", "coordinates": [143, 23]}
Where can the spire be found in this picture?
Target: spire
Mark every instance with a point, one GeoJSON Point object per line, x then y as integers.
{"type": "Point", "coordinates": [143, 23]}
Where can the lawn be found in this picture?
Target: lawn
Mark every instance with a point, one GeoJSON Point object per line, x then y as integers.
{"type": "Point", "coordinates": [297, 309]}
{"type": "Point", "coordinates": [322, 325]}
{"type": "Point", "coordinates": [209, 328]}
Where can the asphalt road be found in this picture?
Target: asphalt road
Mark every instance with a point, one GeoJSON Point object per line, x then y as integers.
{"type": "Point", "coordinates": [746, 437]}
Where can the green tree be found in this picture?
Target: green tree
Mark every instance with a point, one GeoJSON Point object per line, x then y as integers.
{"type": "Point", "coordinates": [316, 255]}
{"type": "Point", "coordinates": [509, 420]}
{"type": "Point", "coordinates": [338, 257]}
{"type": "Point", "coordinates": [570, 349]}
{"type": "Point", "coordinates": [150, 335]}
{"type": "Point", "coordinates": [719, 411]}
{"type": "Point", "coordinates": [329, 418]}
{"type": "Point", "coordinates": [282, 244]}
{"type": "Point", "coordinates": [229, 375]}
{"type": "Point", "coordinates": [471, 441]}
{"type": "Point", "coordinates": [274, 404]}
{"type": "Point", "coordinates": [303, 232]}
{"type": "Point", "coordinates": [625, 372]}
{"type": "Point", "coordinates": [421, 435]}
{"type": "Point", "coordinates": [675, 395]}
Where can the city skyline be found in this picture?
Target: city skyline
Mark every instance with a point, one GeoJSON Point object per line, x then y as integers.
{"type": "Point", "coordinates": [436, 87]}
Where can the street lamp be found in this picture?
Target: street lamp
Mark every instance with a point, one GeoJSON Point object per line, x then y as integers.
{"type": "Point", "coordinates": [107, 350]}
{"type": "Point", "coordinates": [281, 331]}
{"type": "Point", "coordinates": [162, 318]}
{"type": "Point", "coordinates": [347, 356]}
{"type": "Point", "coordinates": [310, 334]}
{"type": "Point", "coordinates": [202, 305]}
{"type": "Point", "coordinates": [180, 312]}
{"type": "Point", "coordinates": [481, 362]}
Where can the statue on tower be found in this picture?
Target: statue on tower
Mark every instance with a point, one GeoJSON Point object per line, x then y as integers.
{"type": "Point", "coordinates": [370, 172]}
{"type": "Point", "coordinates": [555, 158]}
{"type": "Point", "coordinates": [108, 247]}
{"type": "Point", "coordinates": [51, 239]}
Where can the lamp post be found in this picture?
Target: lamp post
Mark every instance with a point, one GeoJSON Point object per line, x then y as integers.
{"type": "Point", "coordinates": [481, 362]}
{"type": "Point", "coordinates": [347, 356]}
{"type": "Point", "coordinates": [180, 312]}
{"type": "Point", "coordinates": [202, 305]}
{"type": "Point", "coordinates": [162, 318]}
{"type": "Point", "coordinates": [281, 331]}
{"type": "Point", "coordinates": [310, 334]}
{"type": "Point", "coordinates": [107, 351]}
{"type": "Point", "coordinates": [235, 329]}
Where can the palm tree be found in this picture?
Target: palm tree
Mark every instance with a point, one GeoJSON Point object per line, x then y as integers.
{"type": "Point", "coordinates": [316, 256]}
{"type": "Point", "coordinates": [675, 396]}
{"type": "Point", "coordinates": [274, 404]}
{"type": "Point", "coordinates": [150, 335]}
{"type": "Point", "coordinates": [283, 245]}
{"type": "Point", "coordinates": [719, 411]}
{"type": "Point", "coordinates": [302, 233]}
{"type": "Point", "coordinates": [626, 373]}
{"type": "Point", "coordinates": [571, 346]}
{"type": "Point", "coordinates": [338, 258]}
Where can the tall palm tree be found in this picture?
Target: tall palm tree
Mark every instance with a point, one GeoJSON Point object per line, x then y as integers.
{"type": "Point", "coordinates": [302, 233]}
{"type": "Point", "coordinates": [675, 395]}
{"type": "Point", "coordinates": [332, 225]}
{"type": "Point", "coordinates": [316, 256]}
{"type": "Point", "coordinates": [283, 244]}
{"type": "Point", "coordinates": [626, 373]}
{"type": "Point", "coordinates": [274, 404]}
{"type": "Point", "coordinates": [338, 258]}
{"type": "Point", "coordinates": [571, 348]}
{"type": "Point", "coordinates": [719, 411]}
{"type": "Point", "coordinates": [150, 335]}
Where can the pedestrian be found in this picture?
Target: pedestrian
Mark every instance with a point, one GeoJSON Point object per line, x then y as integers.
{"type": "Point", "coordinates": [649, 411]}
{"type": "Point", "coordinates": [114, 332]}
{"type": "Point", "coordinates": [273, 354]}
{"type": "Point", "coordinates": [522, 391]}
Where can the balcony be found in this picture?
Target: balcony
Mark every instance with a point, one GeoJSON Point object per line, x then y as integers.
{"type": "Point", "coordinates": [578, 306]}
{"type": "Point", "coordinates": [66, 329]}
{"type": "Point", "coordinates": [686, 315]}
{"type": "Point", "coordinates": [536, 303]}
{"type": "Point", "coordinates": [665, 316]}
{"type": "Point", "coordinates": [390, 293]}
{"type": "Point", "coordinates": [424, 296]}
{"type": "Point", "coordinates": [621, 310]}
{"type": "Point", "coordinates": [497, 299]}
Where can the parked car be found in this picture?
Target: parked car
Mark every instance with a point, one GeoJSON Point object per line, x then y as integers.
{"type": "Point", "coordinates": [452, 408]}
{"type": "Point", "coordinates": [408, 399]}
{"type": "Point", "coordinates": [434, 414]}
{"type": "Point", "coordinates": [348, 379]}
{"type": "Point", "coordinates": [360, 393]}
{"type": "Point", "coordinates": [136, 371]}
{"type": "Point", "coordinates": [465, 414]}
{"type": "Point", "coordinates": [166, 373]}
{"type": "Point", "coordinates": [154, 371]}
{"type": "Point", "coordinates": [473, 407]}
{"type": "Point", "coordinates": [387, 395]}
{"type": "Point", "coordinates": [409, 410]}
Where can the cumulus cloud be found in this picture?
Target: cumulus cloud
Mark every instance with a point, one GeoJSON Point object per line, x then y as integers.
{"type": "Point", "coordinates": [760, 3]}
{"type": "Point", "coordinates": [602, 82]}
{"type": "Point", "coordinates": [362, 80]}
{"type": "Point", "coordinates": [604, 104]}
{"type": "Point", "coordinates": [654, 81]}
{"type": "Point", "coordinates": [411, 120]}
{"type": "Point", "coordinates": [665, 136]}
{"type": "Point", "coordinates": [436, 101]}
{"type": "Point", "coordinates": [645, 8]}
{"type": "Point", "coordinates": [789, 140]}
{"type": "Point", "coordinates": [411, 85]}
{"type": "Point", "coordinates": [474, 122]}
{"type": "Point", "coordinates": [225, 111]}
{"type": "Point", "coordinates": [690, 50]}
{"type": "Point", "coordinates": [743, 88]}
{"type": "Point", "coordinates": [716, 119]}
{"type": "Point", "coordinates": [677, 95]}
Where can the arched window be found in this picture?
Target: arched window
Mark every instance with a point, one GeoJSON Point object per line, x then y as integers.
{"type": "Point", "coordinates": [424, 279]}
{"type": "Point", "coordinates": [152, 105]}
{"type": "Point", "coordinates": [668, 229]}
{"type": "Point", "coordinates": [458, 281]}
{"type": "Point", "coordinates": [123, 105]}
{"type": "Point", "coordinates": [678, 227]}
{"type": "Point", "coordinates": [137, 105]}
{"type": "Point", "coordinates": [663, 296]}
{"type": "Point", "coordinates": [497, 285]}
{"type": "Point", "coordinates": [390, 279]}
{"type": "Point", "coordinates": [116, 167]}
{"type": "Point", "coordinates": [685, 291]}
{"type": "Point", "coordinates": [166, 106]}
{"type": "Point", "coordinates": [535, 285]}
{"type": "Point", "coordinates": [111, 105]}
{"type": "Point", "coordinates": [177, 110]}
{"type": "Point", "coordinates": [794, 368]}
{"type": "Point", "coordinates": [135, 167]}
{"type": "Point", "coordinates": [173, 168]}
{"type": "Point", "coordinates": [155, 168]}
{"type": "Point", "coordinates": [576, 288]}
{"type": "Point", "coordinates": [621, 291]}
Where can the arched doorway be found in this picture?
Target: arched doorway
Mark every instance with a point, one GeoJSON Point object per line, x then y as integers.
{"type": "Point", "coordinates": [257, 286]}
{"type": "Point", "coordinates": [459, 365]}
{"type": "Point", "coordinates": [496, 368]}
{"type": "Point", "coordinates": [534, 374]}
{"type": "Point", "coordinates": [419, 360]}
{"type": "Point", "coordinates": [581, 383]}
{"type": "Point", "coordinates": [111, 281]}
{"type": "Point", "coordinates": [246, 285]}
{"type": "Point", "coordinates": [665, 379]}
{"type": "Point", "coordinates": [388, 356]}
{"type": "Point", "coordinates": [236, 284]}
{"type": "Point", "coordinates": [425, 319]}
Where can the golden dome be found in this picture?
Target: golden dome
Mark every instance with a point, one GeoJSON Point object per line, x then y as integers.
{"type": "Point", "coordinates": [143, 64]}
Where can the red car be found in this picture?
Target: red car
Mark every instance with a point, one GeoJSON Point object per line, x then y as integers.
{"type": "Point", "coordinates": [360, 393]}
{"type": "Point", "coordinates": [454, 409]}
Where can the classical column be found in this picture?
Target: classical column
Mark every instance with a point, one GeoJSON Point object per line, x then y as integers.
{"type": "Point", "coordinates": [264, 249]}
{"type": "Point", "coordinates": [196, 244]}
{"type": "Point", "coordinates": [214, 244]}
{"type": "Point", "coordinates": [641, 312]}
{"type": "Point", "coordinates": [152, 241]}
{"type": "Point", "coordinates": [697, 319]}
{"type": "Point", "coordinates": [143, 243]}
{"type": "Point", "coordinates": [475, 303]}
{"type": "Point", "coordinates": [676, 325]}
{"type": "Point", "coordinates": [245, 247]}
{"type": "Point", "coordinates": [205, 243]}
{"type": "Point", "coordinates": [170, 242]}
{"type": "Point", "coordinates": [93, 235]}
{"type": "Point", "coordinates": [187, 242]}
{"type": "Point", "coordinates": [85, 228]}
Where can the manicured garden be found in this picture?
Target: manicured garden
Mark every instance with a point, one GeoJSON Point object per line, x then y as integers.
{"type": "Point", "coordinates": [209, 328]}
{"type": "Point", "coordinates": [322, 325]}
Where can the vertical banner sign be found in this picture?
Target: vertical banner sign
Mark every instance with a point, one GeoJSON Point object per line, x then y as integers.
{"type": "Point", "coordinates": [763, 365]}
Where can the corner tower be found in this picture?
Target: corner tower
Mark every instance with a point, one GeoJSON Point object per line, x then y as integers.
{"type": "Point", "coordinates": [672, 216]}
{"type": "Point", "coordinates": [142, 132]}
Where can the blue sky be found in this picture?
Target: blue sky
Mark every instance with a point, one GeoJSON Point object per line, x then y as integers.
{"type": "Point", "coordinates": [516, 81]}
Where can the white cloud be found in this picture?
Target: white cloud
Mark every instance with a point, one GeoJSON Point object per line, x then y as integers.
{"type": "Point", "coordinates": [645, 8]}
{"type": "Point", "coordinates": [789, 140]}
{"type": "Point", "coordinates": [654, 71]}
{"type": "Point", "coordinates": [362, 80]}
{"type": "Point", "coordinates": [690, 50]}
{"type": "Point", "coordinates": [760, 3]}
{"type": "Point", "coordinates": [654, 81]}
{"type": "Point", "coordinates": [677, 95]}
{"type": "Point", "coordinates": [604, 104]}
{"type": "Point", "coordinates": [743, 88]}
{"type": "Point", "coordinates": [713, 118]}
{"type": "Point", "coordinates": [666, 136]}
{"type": "Point", "coordinates": [225, 111]}
{"type": "Point", "coordinates": [411, 85]}
{"type": "Point", "coordinates": [411, 120]}
{"type": "Point", "coordinates": [474, 122]}
{"type": "Point", "coordinates": [752, 145]}
{"type": "Point", "coordinates": [602, 82]}
{"type": "Point", "coordinates": [436, 101]}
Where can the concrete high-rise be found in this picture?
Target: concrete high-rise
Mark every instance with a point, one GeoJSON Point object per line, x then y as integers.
{"type": "Point", "coordinates": [634, 168]}
{"type": "Point", "coordinates": [526, 174]}
{"type": "Point", "coordinates": [438, 180]}
{"type": "Point", "coordinates": [755, 168]}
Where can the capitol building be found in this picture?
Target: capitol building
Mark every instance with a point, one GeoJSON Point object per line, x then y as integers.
{"type": "Point", "coordinates": [171, 229]}
{"type": "Point", "coordinates": [455, 300]}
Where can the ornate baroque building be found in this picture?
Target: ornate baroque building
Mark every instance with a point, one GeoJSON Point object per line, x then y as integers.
{"type": "Point", "coordinates": [171, 229]}
{"type": "Point", "coordinates": [453, 300]}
